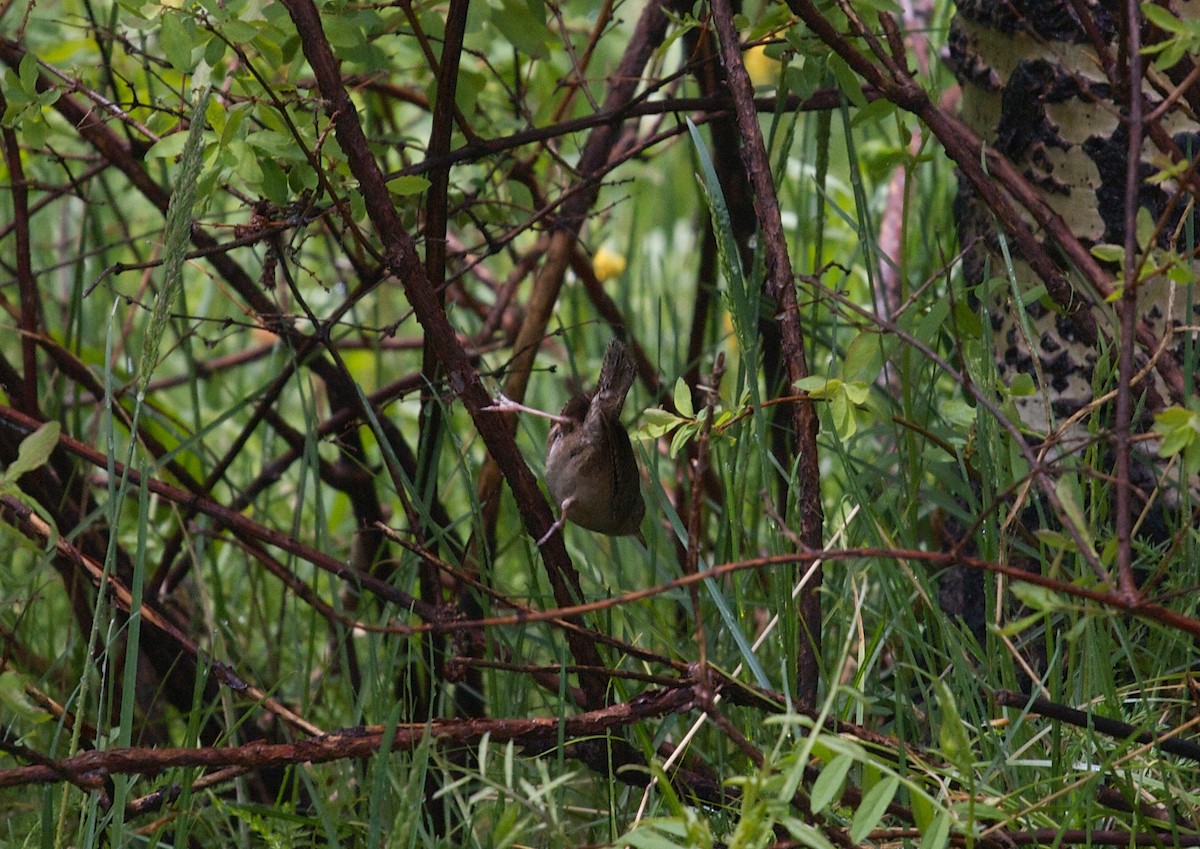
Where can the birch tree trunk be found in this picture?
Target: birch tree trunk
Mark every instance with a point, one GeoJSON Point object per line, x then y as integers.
{"type": "Point", "coordinates": [1046, 83]}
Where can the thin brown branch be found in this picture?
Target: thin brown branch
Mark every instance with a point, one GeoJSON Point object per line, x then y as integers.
{"type": "Point", "coordinates": [1166, 740]}
{"type": "Point", "coordinates": [92, 768]}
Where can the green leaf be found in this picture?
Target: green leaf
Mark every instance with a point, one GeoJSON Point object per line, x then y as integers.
{"type": "Point", "coordinates": [818, 387]}
{"type": "Point", "coordinates": [802, 78]}
{"type": "Point", "coordinates": [924, 810]}
{"type": "Point", "coordinates": [1162, 18]}
{"type": "Point", "coordinates": [682, 396]}
{"type": "Point", "coordinates": [1170, 53]}
{"type": "Point", "coordinates": [1108, 253]}
{"type": "Point", "coordinates": [274, 182]}
{"type": "Point", "coordinates": [828, 746]}
{"type": "Point", "coordinates": [1055, 539]}
{"type": "Point", "coordinates": [805, 834]}
{"type": "Point", "coordinates": [28, 72]}
{"type": "Point", "coordinates": [829, 783]}
{"type": "Point", "coordinates": [857, 392]}
{"type": "Point", "coordinates": [1174, 417]}
{"type": "Point", "coordinates": [958, 413]}
{"type": "Point", "coordinates": [968, 320]}
{"type": "Point", "coordinates": [522, 28]}
{"type": "Point", "coordinates": [774, 17]}
{"type": "Point", "coordinates": [234, 120]}
{"type": "Point", "coordinates": [659, 416]}
{"type": "Point", "coordinates": [929, 325]}
{"type": "Point", "coordinates": [657, 422]}
{"type": "Point", "coordinates": [1022, 385]}
{"type": "Point", "coordinates": [1066, 489]}
{"type": "Point", "coordinates": [937, 835]}
{"type": "Point", "coordinates": [34, 451]}
{"type": "Point", "coordinates": [980, 811]}
{"type": "Point", "coordinates": [471, 84]}
{"type": "Point", "coordinates": [177, 35]}
{"type": "Point", "coordinates": [343, 31]}
{"type": "Point", "coordinates": [168, 147]}
{"type": "Point", "coordinates": [1145, 228]}
{"type": "Point", "coordinates": [1034, 294]}
{"type": "Point", "coordinates": [848, 81]}
{"type": "Point", "coordinates": [1175, 441]}
{"type": "Point", "coordinates": [276, 144]}
{"type": "Point", "coordinates": [1179, 428]}
{"type": "Point", "coordinates": [952, 732]}
{"type": "Point", "coordinates": [239, 31]}
{"type": "Point", "coordinates": [17, 98]}
{"type": "Point", "coordinates": [214, 51]}
{"type": "Point", "coordinates": [247, 167]}
{"type": "Point", "coordinates": [408, 185]}
{"type": "Point", "coordinates": [1191, 457]}
{"type": "Point", "coordinates": [682, 437]}
{"type": "Point", "coordinates": [660, 833]}
{"type": "Point", "coordinates": [1019, 626]}
{"type": "Point", "coordinates": [843, 415]}
{"type": "Point", "coordinates": [1179, 273]}
{"type": "Point", "coordinates": [1036, 597]}
{"type": "Point", "coordinates": [506, 826]}
{"type": "Point", "coordinates": [864, 357]}
{"type": "Point", "coordinates": [877, 110]}
{"type": "Point", "coordinates": [874, 805]}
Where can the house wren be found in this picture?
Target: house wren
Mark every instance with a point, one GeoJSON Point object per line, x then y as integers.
{"type": "Point", "coordinates": [591, 470]}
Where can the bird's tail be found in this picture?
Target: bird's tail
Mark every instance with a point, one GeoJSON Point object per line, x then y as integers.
{"type": "Point", "coordinates": [616, 377]}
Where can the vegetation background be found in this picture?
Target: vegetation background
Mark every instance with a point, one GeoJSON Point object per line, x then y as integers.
{"type": "Point", "coordinates": [269, 571]}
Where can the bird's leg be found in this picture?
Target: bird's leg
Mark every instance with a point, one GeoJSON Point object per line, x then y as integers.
{"type": "Point", "coordinates": [559, 522]}
{"type": "Point", "coordinates": [504, 404]}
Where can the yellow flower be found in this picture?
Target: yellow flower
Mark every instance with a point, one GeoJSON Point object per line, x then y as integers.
{"type": "Point", "coordinates": [762, 68]}
{"type": "Point", "coordinates": [607, 264]}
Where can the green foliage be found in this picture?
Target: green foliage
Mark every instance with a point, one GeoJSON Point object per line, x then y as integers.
{"type": "Point", "coordinates": [1180, 431]}
{"type": "Point", "coordinates": [25, 103]}
{"type": "Point", "coordinates": [846, 401]}
{"type": "Point", "coordinates": [684, 425]}
{"type": "Point", "coordinates": [1183, 36]}
{"type": "Point", "coordinates": [33, 451]}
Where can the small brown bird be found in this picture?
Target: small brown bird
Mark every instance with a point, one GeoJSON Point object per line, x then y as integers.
{"type": "Point", "coordinates": [591, 470]}
{"type": "Point", "coordinates": [590, 467]}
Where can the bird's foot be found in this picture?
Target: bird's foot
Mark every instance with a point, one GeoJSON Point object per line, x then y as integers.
{"type": "Point", "coordinates": [504, 404]}
{"type": "Point", "coordinates": [558, 523]}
